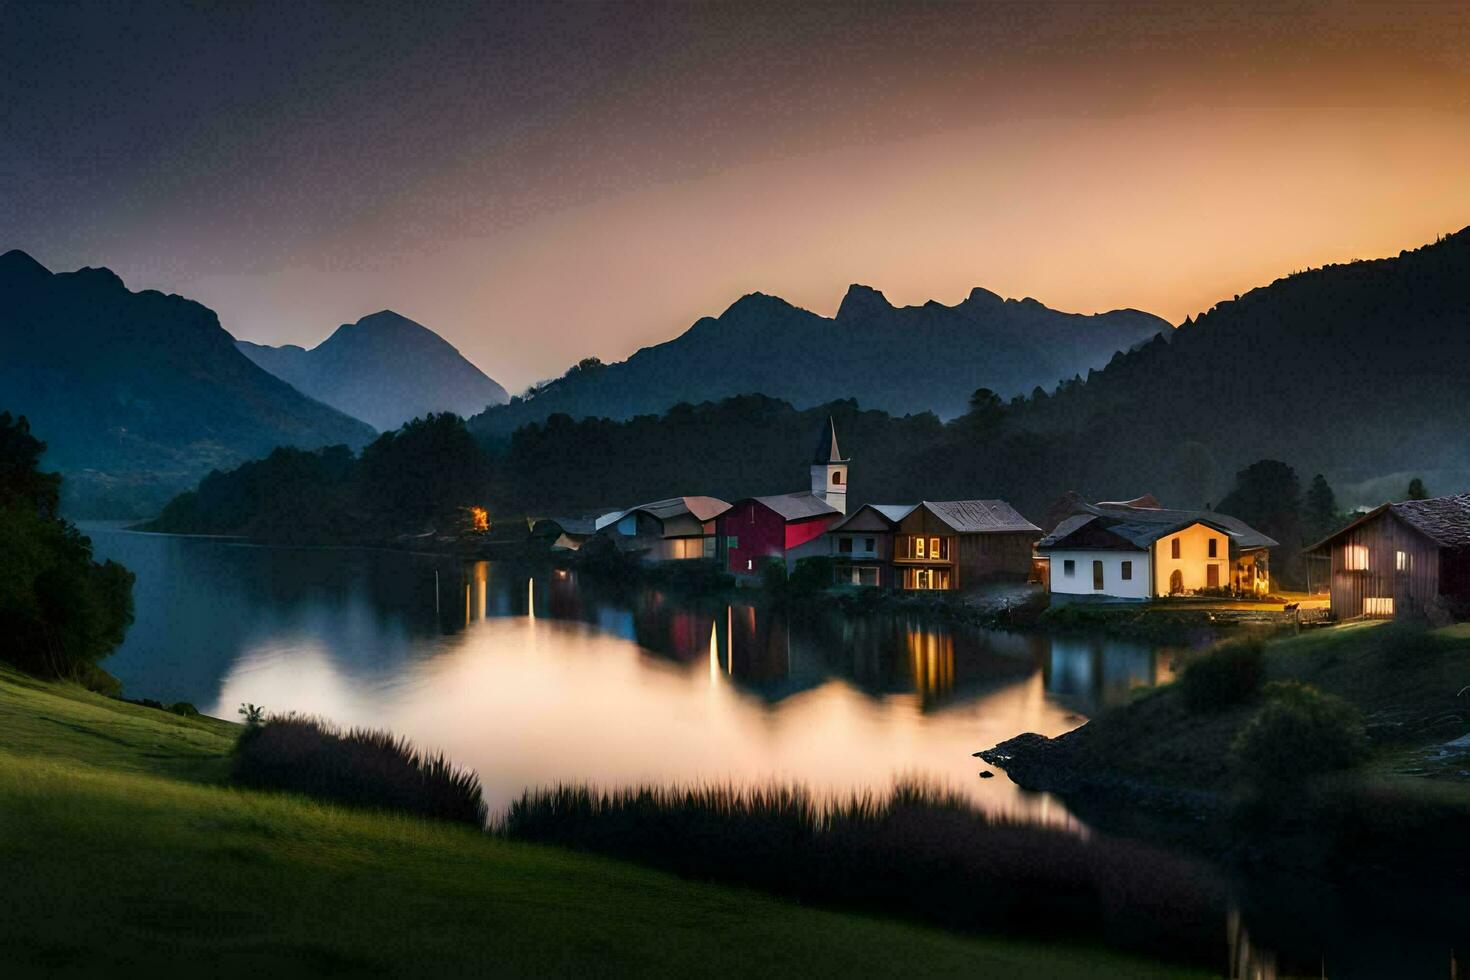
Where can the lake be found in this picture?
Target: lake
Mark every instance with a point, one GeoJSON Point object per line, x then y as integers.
{"type": "Point", "coordinates": [531, 676]}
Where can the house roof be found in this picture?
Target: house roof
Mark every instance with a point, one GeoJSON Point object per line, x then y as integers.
{"type": "Point", "coordinates": [979, 516]}
{"type": "Point", "coordinates": [890, 514]}
{"type": "Point", "coordinates": [827, 451]}
{"type": "Point", "coordinates": [700, 508]}
{"type": "Point", "coordinates": [797, 506]}
{"type": "Point", "coordinates": [1142, 526]}
{"type": "Point", "coordinates": [570, 525]}
{"type": "Point", "coordinates": [1444, 520]}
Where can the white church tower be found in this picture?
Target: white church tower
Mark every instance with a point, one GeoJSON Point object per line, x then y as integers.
{"type": "Point", "coordinates": [829, 469]}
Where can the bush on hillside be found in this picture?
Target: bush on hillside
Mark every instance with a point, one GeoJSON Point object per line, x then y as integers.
{"type": "Point", "coordinates": [1298, 732]}
{"type": "Point", "coordinates": [918, 851]}
{"type": "Point", "coordinates": [363, 768]}
{"type": "Point", "coordinates": [1228, 675]}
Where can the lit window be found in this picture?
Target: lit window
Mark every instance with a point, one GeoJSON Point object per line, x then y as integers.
{"type": "Point", "coordinates": [934, 548]}
{"type": "Point", "coordinates": [1174, 549]}
{"type": "Point", "coordinates": [1069, 567]}
{"type": "Point", "coordinates": [1401, 561]}
{"type": "Point", "coordinates": [1127, 575]}
{"type": "Point", "coordinates": [1355, 557]}
{"type": "Point", "coordinates": [1378, 606]}
{"type": "Point", "coordinates": [918, 547]}
{"type": "Point", "coordinates": [749, 565]}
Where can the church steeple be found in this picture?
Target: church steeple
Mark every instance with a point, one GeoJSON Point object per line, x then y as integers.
{"type": "Point", "coordinates": [829, 468]}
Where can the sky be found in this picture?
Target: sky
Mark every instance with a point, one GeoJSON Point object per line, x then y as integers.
{"type": "Point", "coordinates": [544, 182]}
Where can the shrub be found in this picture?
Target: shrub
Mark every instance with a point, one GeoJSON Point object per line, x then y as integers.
{"type": "Point", "coordinates": [362, 768]}
{"type": "Point", "coordinates": [1227, 676]}
{"type": "Point", "coordinates": [1298, 732]}
{"type": "Point", "coordinates": [918, 851]}
{"type": "Point", "coordinates": [184, 708]}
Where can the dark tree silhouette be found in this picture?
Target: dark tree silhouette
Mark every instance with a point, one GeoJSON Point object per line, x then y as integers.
{"type": "Point", "coordinates": [1417, 490]}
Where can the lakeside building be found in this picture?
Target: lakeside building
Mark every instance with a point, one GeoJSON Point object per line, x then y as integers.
{"type": "Point", "coordinates": [787, 526]}
{"type": "Point", "coordinates": [676, 529]}
{"type": "Point", "coordinates": [564, 533]}
{"type": "Point", "coordinates": [1137, 550]}
{"type": "Point", "coordinates": [933, 545]}
{"type": "Point", "coordinates": [1401, 559]}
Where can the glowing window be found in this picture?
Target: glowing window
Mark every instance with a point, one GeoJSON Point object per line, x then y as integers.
{"type": "Point", "coordinates": [1378, 606]}
{"type": "Point", "coordinates": [918, 547]}
{"type": "Point", "coordinates": [1355, 557]}
{"type": "Point", "coordinates": [934, 548]}
{"type": "Point", "coordinates": [1401, 561]}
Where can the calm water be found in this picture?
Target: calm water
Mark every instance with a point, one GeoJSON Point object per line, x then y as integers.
{"type": "Point", "coordinates": [532, 677]}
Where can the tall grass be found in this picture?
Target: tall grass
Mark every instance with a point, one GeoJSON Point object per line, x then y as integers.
{"type": "Point", "coordinates": [919, 851]}
{"type": "Point", "coordinates": [360, 767]}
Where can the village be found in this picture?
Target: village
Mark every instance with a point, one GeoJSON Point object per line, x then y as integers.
{"type": "Point", "coordinates": [1399, 560]}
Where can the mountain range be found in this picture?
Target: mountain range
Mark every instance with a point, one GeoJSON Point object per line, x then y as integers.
{"type": "Point", "coordinates": [138, 394]}
{"type": "Point", "coordinates": [384, 369]}
{"type": "Point", "coordinates": [898, 359]}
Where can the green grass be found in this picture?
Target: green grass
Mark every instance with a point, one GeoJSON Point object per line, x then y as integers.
{"type": "Point", "coordinates": [121, 849]}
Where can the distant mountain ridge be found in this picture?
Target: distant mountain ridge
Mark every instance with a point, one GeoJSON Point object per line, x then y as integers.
{"type": "Point", "coordinates": [384, 369]}
{"type": "Point", "coordinates": [138, 394]}
{"type": "Point", "coordinates": [902, 360]}
{"type": "Point", "coordinates": [1355, 370]}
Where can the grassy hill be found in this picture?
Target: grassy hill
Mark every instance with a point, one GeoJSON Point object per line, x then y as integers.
{"type": "Point", "coordinates": [123, 849]}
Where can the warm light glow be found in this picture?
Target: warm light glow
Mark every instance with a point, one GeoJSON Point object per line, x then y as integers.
{"type": "Point", "coordinates": [479, 519]}
{"type": "Point", "coordinates": [1355, 557]}
{"type": "Point", "coordinates": [1378, 606]}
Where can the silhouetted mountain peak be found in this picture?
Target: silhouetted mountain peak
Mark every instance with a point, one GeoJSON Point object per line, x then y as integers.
{"type": "Point", "coordinates": [18, 267]}
{"type": "Point", "coordinates": [982, 298]}
{"type": "Point", "coordinates": [862, 301]}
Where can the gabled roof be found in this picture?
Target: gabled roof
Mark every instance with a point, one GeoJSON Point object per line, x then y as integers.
{"type": "Point", "coordinates": [890, 514]}
{"type": "Point", "coordinates": [1241, 533]}
{"type": "Point", "coordinates": [979, 516]}
{"type": "Point", "coordinates": [701, 508]}
{"type": "Point", "coordinates": [1444, 520]}
{"type": "Point", "coordinates": [827, 451]}
{"type": "Point", "coordinates": [1142, 526]}
{"type": "Point", "coordinates": [797, 506]}
{"type": "Point", "coordinates": [568, 525]}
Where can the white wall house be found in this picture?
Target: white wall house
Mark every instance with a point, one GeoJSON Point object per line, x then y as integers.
{"type": "Point", "coordinates": [1133, 551]}
{"type": "Point", "coordinates": [1110, 574]}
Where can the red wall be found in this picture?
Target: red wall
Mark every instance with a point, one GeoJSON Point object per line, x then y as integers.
{"type": "Point", "coordinates": [761, 533]}
{"type": "Point", "coordinates": [800, 532]}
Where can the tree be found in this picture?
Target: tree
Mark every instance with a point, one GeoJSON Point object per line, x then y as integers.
{"type": "Point", "coordinates": [1267, 496]}
{"type": "Point", "coordinates": [986, 411]}
{"type": "Point", "coordinates": [60, 611]}
{"type": "Point", "coordinates": [1319, 509]}
{"type": "Point", "coordinates": [1417, 489]}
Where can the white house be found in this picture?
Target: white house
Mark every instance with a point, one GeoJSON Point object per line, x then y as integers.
{"type": "Point", "coordinates": [1131, 551]}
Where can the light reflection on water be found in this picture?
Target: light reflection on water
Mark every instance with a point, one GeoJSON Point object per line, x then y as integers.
{"type": "Point", "coordinates": [532, 677]}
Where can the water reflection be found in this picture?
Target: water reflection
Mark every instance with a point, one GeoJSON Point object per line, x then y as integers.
{"type": "Point", "coordinates": [533, 676]}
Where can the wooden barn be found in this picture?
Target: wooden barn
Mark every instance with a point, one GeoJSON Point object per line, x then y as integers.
{"type": "Point", "coordinates": [954, 544]}
{"type": "Point", "coordinates": [1405, 559]}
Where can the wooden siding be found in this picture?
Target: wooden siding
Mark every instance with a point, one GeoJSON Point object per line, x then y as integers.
{"type": "Point", "coordinates": [1377, 544]}
{"type": "Point", "coordinates": [1006, 555]}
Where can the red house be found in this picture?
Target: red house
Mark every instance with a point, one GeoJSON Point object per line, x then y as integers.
{"type": "Point", "coordinates": [787, 526]}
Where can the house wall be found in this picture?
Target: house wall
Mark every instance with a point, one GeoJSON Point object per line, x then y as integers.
{"type": "Point", "coordinates": [1194, 559]}
{"type": "Point", "coordinates": [1080, 582]}
{"type": "Point", "coordinates": [1366, 570]}
{"type": "Point", "coordinates": [983, 556]}
{"type": "Point", "coordinates": [758, 532]}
